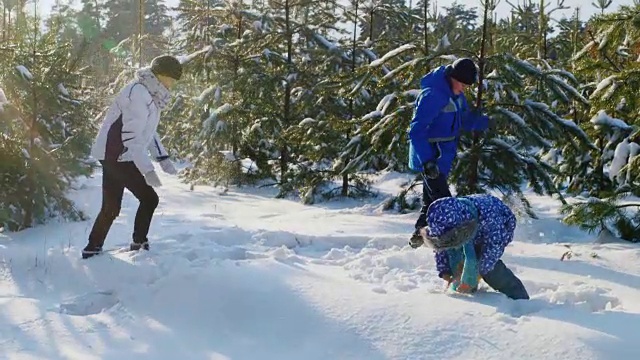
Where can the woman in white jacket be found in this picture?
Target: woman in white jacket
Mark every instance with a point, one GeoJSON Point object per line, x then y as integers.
{"type": "Point", "coordinates": [127, 135]}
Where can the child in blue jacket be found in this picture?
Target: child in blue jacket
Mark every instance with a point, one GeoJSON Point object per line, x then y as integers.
{"type": "Point", "coordinates": [470, 234]}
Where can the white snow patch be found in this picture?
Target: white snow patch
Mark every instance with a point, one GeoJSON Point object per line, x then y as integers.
{"type": "Point", "coordinates": [3, 100]}
{"type": "Point", "coordinates": [24, 72]}
{"type": "Point", "coordinates": [603, 119]}
{"type": "Point", "coordinates": [63, 90]}
{"type": "Point", "coordinates": [306, 121]}
{"type": "Point", "coordinates": [185, 59]}
{"type": "Point", "coordinates": [391, 54]}
{"type": "Point", "coordinates": [605, 83]}
{"type": "Point", "coordinates": [619, 158]}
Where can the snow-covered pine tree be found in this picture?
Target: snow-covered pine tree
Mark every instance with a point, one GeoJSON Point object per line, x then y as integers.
{"type": "Point", "coordinates": [45, 128]}
{"type": "Point", "coordinates": [380, 140]}
{"type": "Point", "coordinates": [522, 99]}
{"type": "Point", "coordinates": [89, 23]}
{"type": "Point", "coordinates": [216, 104]}
{"type": "Point", "coordinates": [422, 24]}
{"type": "Point", "coordinates": [385, 24]}
{"type": "Point", "coordinates": [610, 59]}
{"type": "Point", "coordinates": [62, 19]}
{"type": "Point", "coordinates": [511, 153]}
{"type": "Point", "coordinates": [297, 51]}
{"type": "Point", "coordinates": [121, 31]}
{"type": "Point", "coordinates": [390, 82]}
{"type": "Point", "coordinates": [335, 108]}
{"type": "Point", "coordinates": [456, 24]}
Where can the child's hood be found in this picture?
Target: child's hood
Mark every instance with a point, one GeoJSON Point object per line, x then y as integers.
{"type": "Point", "coordinates": [445, 214]}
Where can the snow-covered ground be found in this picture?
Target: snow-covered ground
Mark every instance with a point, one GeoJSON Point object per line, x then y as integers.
{"type": "Point", "coordinates": [240, 275]}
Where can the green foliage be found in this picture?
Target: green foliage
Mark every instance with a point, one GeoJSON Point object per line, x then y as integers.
{"type": "Point", "coordinates": [612, 213]}
{"type": "Point", "coordinates": [46, 134]}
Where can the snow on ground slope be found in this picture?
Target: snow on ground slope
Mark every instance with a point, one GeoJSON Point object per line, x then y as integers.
{"type": "Point", "coordinates": [244, 276]}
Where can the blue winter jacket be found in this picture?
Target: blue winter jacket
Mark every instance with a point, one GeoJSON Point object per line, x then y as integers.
{"type": "Point", "coordinates": [437, 119]}
{"type": "Point", "coordinates": [496, 224]}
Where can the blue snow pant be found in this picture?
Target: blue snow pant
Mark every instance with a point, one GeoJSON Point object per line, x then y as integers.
{"type": "Point", "coordinates": [505, 281]}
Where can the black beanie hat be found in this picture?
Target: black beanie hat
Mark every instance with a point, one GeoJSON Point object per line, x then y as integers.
{"type": "Point", "coordinates": [167, 65]}
{"type": "Point", "coordinates": [463, 70]}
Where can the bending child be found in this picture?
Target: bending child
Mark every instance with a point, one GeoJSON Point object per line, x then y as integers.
{"type": "Point", "coordinates": [469, 235]}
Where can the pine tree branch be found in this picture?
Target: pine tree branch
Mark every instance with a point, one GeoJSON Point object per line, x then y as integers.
{"type": "Point", "coordinates": [602, 53]}
{"type": "Point", "coordinates": [627, 205]}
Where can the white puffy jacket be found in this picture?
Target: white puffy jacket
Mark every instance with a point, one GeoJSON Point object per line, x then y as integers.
{"type": "Point", "coordinates": [128, 131]}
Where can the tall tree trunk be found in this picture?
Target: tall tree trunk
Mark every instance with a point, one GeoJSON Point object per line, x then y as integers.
{"type": "Point", "coordinates": [236, 69]}
{"type": "Point", "coordinates": [4, 22]}
{"type": "Point", "coordinates": [345, 176]}
{"type": "Point", "coordinates": [410, 32]}
{"type": "Point", "coordinates": [475, 154]}
{"type": "Point", "coordinates": [284, 149]}
{"type": "Point", "coordinates": [140, 30]}
{"type": "Point", "coordinates": [425, 24]}
{"type": "Point", "coordinates": [33, 133]}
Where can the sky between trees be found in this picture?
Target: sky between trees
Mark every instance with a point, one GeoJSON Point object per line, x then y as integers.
{"type": "Point", "coordinates": [503, 6]}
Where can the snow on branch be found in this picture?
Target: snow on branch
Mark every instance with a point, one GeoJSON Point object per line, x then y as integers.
{"type": "Point", "coordinates": [567, 124]}
{"type": "Point", "coordinates": [386, 101]}
{"type": "Point", "coordinates": [619, 158]}
{"type": "Point", "coordinates": [3, 100]}
{"type": "Point", "coordinates": [331, 46]}
{"type": "Point", "coordinates": [373, 57]}
{"type": "Point", "coordinates": [519, 122]}
{"type": "Point", "coordinates": [584, 50]}
{"type": "Point", "coordinates": [24, 72]}
{"type": "Point", "coordinates": [391, 54]}
{"type": "Point", "coordinates": [602, 119]}
{"type": "Point", "coordinates": [213, 118]}
{"type": "Point", "coordinates": [527, 67]}
{"type": "Point", "coordinates": [605, 83]}
{"type": "Point", "coordinates": [185, 59]}
{"type": "Point", "coordinates": [564, 86]}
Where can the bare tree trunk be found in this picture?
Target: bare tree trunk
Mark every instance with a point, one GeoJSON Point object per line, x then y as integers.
{"type": "Point", "coordinates": [4, 22]}
{"type": "Point", "coordinates": [140, 30]}
{"type": "Point", "coordinates": [425, 24]}
{"type": "Point", "coordinates": [345, 176]}
{"type": "Point", "coordinates": [475, 154]}
{"type": "Point", "coordinates": [542, 48]}
{"type": "Point", "coordinates": [284, 150]}
{"type": "Point", "coordinates": [236, 69]}
{"type": "Point", "coordinates": [33, 133]}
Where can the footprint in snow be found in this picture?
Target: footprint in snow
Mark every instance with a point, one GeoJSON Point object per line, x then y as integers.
{"type": "Point", "coordinates": [88, 304]}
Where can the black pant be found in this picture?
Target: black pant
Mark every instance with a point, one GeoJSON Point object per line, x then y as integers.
{"type": "Point", "coordinates": [116, 176]}
{"type": "Point", "coordinates": [432, 190]}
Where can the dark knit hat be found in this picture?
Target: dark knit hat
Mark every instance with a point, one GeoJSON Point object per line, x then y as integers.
{"type": "Point", "coordinates": [463, 70]}
{"type": "Point", "coordinates": [167, 65]}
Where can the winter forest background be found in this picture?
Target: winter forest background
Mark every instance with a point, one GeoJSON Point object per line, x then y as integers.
{"type": "Point", "coordinates": [313, 96]}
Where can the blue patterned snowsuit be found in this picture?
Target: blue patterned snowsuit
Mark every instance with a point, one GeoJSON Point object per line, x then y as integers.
{"type": "Point", "coordinates": [496, 225]}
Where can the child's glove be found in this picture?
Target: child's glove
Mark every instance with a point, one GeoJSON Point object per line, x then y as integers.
{"type": "Point", "coordinates": [416, 239]}
{"type": "Point", "coordinates": [431, 170]}
{"type": "Point", "coordinates": [168, 167]}
{"type": "Point", "coordinates": [461, 287]}
{"type": "Point", "coordinates": [464, 288]}
{"type": "Point", "coordinates": [152, 179]}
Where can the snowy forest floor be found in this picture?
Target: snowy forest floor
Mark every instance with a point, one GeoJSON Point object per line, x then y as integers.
{"type": "Point", "coordinates": [242, 275]}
